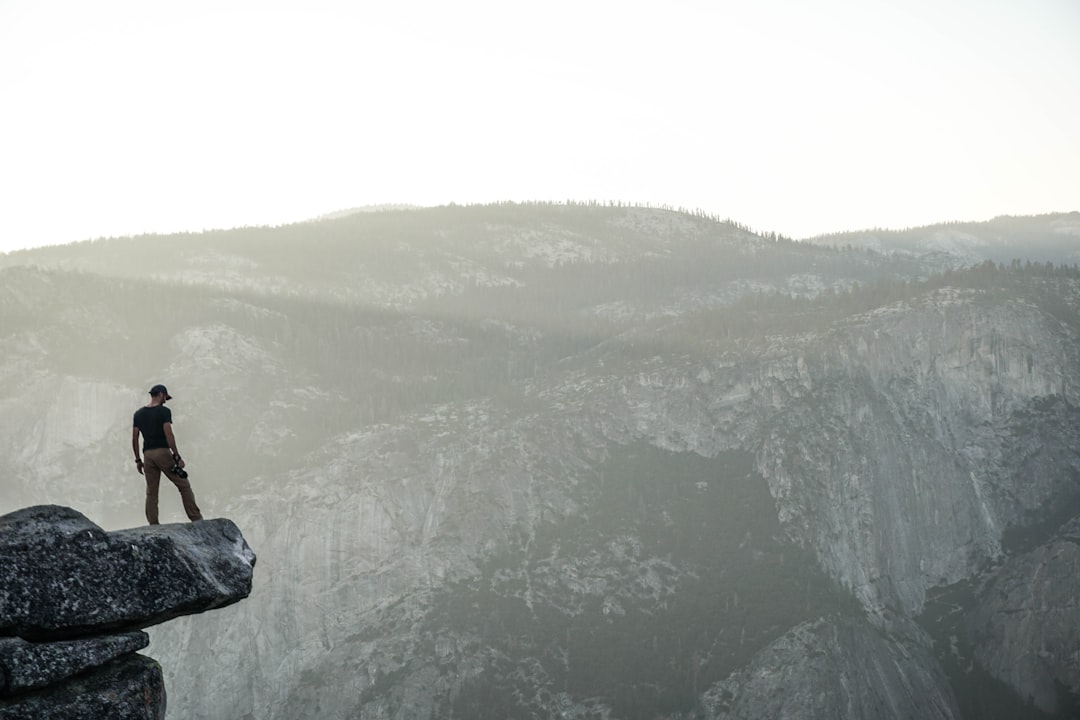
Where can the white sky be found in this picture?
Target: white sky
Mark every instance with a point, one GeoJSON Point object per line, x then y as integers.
{"type": "Point", "coordinates": [800, 117]}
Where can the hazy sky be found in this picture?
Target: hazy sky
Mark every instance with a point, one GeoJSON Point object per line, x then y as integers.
{"type": "Point", "coordinates": [800, 117]}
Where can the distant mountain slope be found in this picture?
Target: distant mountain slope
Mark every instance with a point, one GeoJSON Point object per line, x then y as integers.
{"type": "Point", "coordinates": [406, 258]}
{"type": "Point", "coordinates": [1051, 238]}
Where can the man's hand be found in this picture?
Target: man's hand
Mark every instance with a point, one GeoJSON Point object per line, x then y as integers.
{"type": "Point", "coordinates": [138, 465]}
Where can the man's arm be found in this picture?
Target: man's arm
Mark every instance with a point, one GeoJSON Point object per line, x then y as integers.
{"type": "Point", "coordinates": [169, 438]}
{"type": "Point", "coordinates": [135, 448]}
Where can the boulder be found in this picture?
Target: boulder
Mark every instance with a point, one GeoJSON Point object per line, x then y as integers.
{"type": "Point", "coordinates": [26, 665]}
{"type": "Point", "coordinates": [131, 688]}
{"type": "Point", "coordinates": [62, 576]}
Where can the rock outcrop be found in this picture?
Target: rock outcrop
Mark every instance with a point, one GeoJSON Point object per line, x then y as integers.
{"type": "Point", "coordinates": [31, 665]}
{"type": "Point", "coordinates": [74, 600]}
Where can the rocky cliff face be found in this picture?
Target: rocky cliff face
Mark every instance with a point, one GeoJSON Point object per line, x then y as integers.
{"type": "Point", "coordinates": [603, 478]}
{"type": "Point", "coordinates": [74, 600]}
{"type": "Point", "coordinates": [890, 448]}
{"type": "Point", "coordinates": [893, 444]}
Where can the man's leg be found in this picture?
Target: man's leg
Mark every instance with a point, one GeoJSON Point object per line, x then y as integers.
{"type": "Point", "coordinates": [186, 495]}
{"type": "Point", "coordinates": [153, 479]}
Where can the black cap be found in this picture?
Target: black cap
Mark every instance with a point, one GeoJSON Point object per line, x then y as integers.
{"type": "Point", "coordinates": [160, 389]}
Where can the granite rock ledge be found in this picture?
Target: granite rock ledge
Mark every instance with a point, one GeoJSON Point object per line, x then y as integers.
{"type": "Point", "coordinates": [74, 600]}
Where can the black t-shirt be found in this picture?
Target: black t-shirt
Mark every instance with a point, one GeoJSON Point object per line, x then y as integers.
{"type": "Point", "coordinates": [151, 423]}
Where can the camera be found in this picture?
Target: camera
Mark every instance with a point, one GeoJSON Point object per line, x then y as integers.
{"type": "Point", "coordinates": [178, 470]}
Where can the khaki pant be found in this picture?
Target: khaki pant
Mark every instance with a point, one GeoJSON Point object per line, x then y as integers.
{"type": "Point", "coordinates": [156, 462]}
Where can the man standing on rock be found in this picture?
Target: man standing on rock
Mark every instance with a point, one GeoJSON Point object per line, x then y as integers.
{"type": "Point", "coordinates": [154, 421]}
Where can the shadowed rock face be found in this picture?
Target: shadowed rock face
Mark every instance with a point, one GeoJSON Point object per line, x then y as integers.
{"type": "Point", "coordinates": [64, 576]}
{"type": "Point", "coordinates": [28, 665]}
{"type": "Point", "coordinates": [1026, 622]}
{"type": "Point", "coordinates": [73, 600]}
{"type": "Point", "coordinates": [127, 689]}
{"type": "Point", "coordinates": [837, 667]}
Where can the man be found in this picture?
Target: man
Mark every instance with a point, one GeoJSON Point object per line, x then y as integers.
{"type": "Point", "coordinates": [154, 421]}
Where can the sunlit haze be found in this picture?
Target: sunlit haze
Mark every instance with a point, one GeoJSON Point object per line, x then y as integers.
{"type": "Point", "coordinates": [801, 118]}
